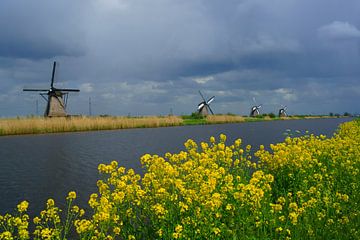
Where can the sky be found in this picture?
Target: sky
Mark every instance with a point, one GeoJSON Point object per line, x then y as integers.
{"type": "Point", "coordinates": [142, 57]}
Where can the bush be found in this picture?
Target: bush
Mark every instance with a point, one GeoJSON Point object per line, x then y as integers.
{"type": "Point", "coordinates": [272, 115]}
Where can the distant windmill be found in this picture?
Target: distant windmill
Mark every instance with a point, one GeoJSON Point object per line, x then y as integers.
{"type": "Point", "coordinates": [255, 109]}
{"type": "Point", "coordinates": [282, 111]}
{"type": "Point", "coordinates": [56, 98]}
{"type": "Point", "coordinates": [204, 106]}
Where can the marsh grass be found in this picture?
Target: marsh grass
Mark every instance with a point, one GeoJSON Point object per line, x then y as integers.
{"type": "Point", "coordinates": [39, 125]}
{"type": "Point", "coordinates": [225, 119]}
{"type": "Point", "coordinates": [35, 125]}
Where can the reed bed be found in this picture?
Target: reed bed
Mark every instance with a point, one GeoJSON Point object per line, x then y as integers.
{"type": "Point", "coordinates": [51, 125]}
{"type": "Point", "coordinates": [39, 125]}
{"type": "Point", "coordinates": [224, 119]}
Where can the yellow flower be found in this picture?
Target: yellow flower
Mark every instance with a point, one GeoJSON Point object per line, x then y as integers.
{"type": "Point", "coordinates": [160, 211]}
{"type": "Point", "coordinates": [82, 212]}
{"type": "Point", "coordinates": [293, 206]}
{"type": "Point", "coordinates": [75, 209]}
{"type": "Point", "coordinates": [83, 226]}
{"type": "Point", "coordinates": [71, 195]}
{"type": "Point", "coordinates": [117, 230]}
{"type": "Point", "coordinates": [293, 217]}
{"type": "Point", "coordinates": [178, 228]}
{"type": "Point", "coordinates": [276, 207]}
{"type": "Point", "coordinates": [222, 138]}
{"type": "Point", "coordinates": [217, 231]}
{"type": "Point", "coordinates": [36, 220]}
{"type": "Point", "coordinates": [281, 200]}
{"type": "Point", "coordinates": [93, 200]}
{"type": "Point", "coordinates": [22, 207]}
{"type": "Point", "coordinates": [46, 233]}
{"type": "Point", "coordinates": [50, 203]}
{"type": "Point", "coordinates": [6, 235]}
{"type": "Point", "coordinates": [344, 220]}
{"type": "Point", "coordinates": [160, 232]}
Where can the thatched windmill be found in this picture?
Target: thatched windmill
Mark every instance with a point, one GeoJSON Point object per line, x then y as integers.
{"type": "Point", "coordinates": [204, 106]}
{"type": "Point", "coordinates": [56, 98]}
{"type": "Point", "coordinates": [282, 111]}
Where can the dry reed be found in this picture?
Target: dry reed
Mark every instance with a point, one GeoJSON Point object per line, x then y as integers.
{"type": "Point", "coordinates": [36, 125]}
{"type": "Point", "coordinates": [51, 125]}
{"type": "Point", "coordinates": [224, 119]}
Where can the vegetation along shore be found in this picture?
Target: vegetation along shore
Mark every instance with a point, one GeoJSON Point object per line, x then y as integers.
{"type": "Point", "coordinates": [39, 125]}
{"type": "Point", "coordinates": [304, 188]}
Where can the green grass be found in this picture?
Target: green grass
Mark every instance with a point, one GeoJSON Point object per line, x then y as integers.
{"type": "Point", "coordinates": [194, 121]}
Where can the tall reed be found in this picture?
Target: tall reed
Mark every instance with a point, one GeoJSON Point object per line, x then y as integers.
{"type": "Point", "coordinates": [52, 125]}
{"type": "Point", "coordinates": [224, 119]}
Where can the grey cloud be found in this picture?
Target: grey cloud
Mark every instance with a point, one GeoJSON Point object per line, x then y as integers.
{"type": "Point", "coordinates": [153, 55]}
{"type": "Point", "coordinates": [40, 29]}
{"type": "Point", "coordinates": [338, 30]}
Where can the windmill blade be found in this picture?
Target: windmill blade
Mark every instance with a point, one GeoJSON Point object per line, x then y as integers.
{"type": "Point", "coordinates": [35, 90]}
{"type": "Point", "coordinates": [259, 106]}
{"type": "Point", "coordinates": [210, 110]}
{"type": "Point", "coordinates": [67, 90]}
{"type": "Point", "coordinates": [53, 75]}
{"type": "Point", "coordinates": [254, 100]}
{"type": "Point", "coordinates": [201, 105]}
{"type": "Point", "coordinates": [210, 100]}
{"type": "Point", "coordinates": [202, 96]}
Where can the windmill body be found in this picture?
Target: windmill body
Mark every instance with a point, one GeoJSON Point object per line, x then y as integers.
{"type": "Point", "coordinates": [204, 106]}
{"type": "Point", "coordinates": [282, 112]}
{"type": "Point", "coordinates": [55, 105]}
{"type": "Point", "coordinates": [203, 109]}
{"type": "Point", "coordinates": [56, 98]}
{"type": "Point", "coordinates": [255, 111]}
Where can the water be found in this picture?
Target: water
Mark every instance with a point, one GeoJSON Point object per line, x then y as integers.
{"type": "Point", "coordinates": [38, 167]}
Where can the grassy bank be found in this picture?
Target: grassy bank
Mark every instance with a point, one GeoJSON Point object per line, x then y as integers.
{"type": "Point", "coordinates": [304, 188]}
{"type": "Point", "coordinates": [38, 125]}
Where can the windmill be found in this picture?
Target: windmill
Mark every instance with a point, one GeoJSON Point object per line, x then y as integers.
{"type": "Point", "coordinates": [204, 106]}
{"type": "Point", "coordinates": [255, 109]}
{"type": "Point", "coordinates": [282, 111]}
{"type": "Point", "coordinates": [56, 98]}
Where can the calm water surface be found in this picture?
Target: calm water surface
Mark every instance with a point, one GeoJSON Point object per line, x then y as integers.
{"type": "Point", "coordinates": [38, 167]}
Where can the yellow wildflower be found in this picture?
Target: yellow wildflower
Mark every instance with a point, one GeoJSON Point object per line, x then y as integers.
{"type": "Point", "coordinates": [22, 207]}
{"type": "Point", "coordinates": [71, 195]}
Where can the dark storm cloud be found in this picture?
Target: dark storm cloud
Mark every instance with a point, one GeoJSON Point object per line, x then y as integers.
{"type": "Point", "coordinates": [40, 29]}
{"type": "Point", "coordinates": [35, 50]}
{"type": "Point", "coordinates": [153, 55]}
